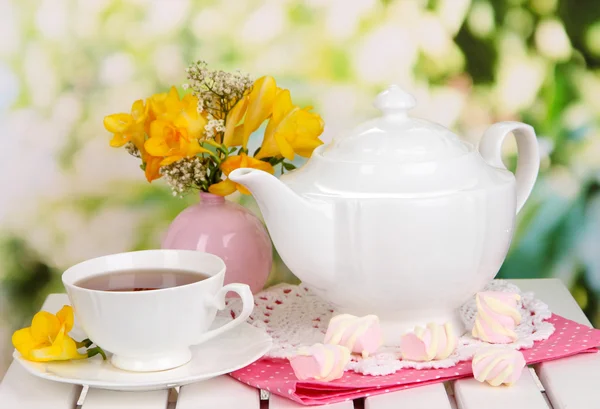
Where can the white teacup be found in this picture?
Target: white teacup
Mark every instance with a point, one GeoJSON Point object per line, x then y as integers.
{"type": "Point", "coordinates": [153, 330]}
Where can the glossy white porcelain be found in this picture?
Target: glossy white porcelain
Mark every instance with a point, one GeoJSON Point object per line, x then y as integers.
{"type": "Point", "coordinates": [153, 330]}
{"type": "Point", "coordinates": [400, 217]}
{"type": "Point", "coordinates": [226, 353]}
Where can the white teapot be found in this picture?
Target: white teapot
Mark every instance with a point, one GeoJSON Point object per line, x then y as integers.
{"type": "Point", "coordinates": [399, 218]}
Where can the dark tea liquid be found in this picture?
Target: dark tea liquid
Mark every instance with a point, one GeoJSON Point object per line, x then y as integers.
{"type": "Point", "coordinates": [140, 280]}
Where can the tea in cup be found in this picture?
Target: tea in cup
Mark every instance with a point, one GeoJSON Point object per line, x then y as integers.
{"type": "Point", "coordinates": [148, 307]}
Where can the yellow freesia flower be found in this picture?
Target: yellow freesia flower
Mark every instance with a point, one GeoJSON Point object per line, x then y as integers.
{"type": "Point", "coordinates": [227, 186]}
{"type": "Point", "coordinates": [133, 128]}
{"type": "Point", "coordinates": [255, 108]}
{"type": "Point", "coordinates": [153, 164]}
{"type": "Point", "coordinates": [47, 338]}
{"type": "Point", "coordinates": [234, 133]}
{"type": "Point", "coordinates": [156, 103]}
{"type": "Point", "coordinates": [183, 113]}
{"type": "Point", "coordinates": [128, 127]}
{"type": "Point", "coordinates": [175, 129]}
{"type": "Point", "coordinates": [291, 130]}
{"type": "Point", "coordinates": [171, 142]}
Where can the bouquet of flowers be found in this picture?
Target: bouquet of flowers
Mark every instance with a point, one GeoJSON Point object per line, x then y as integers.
{"type": "Point", "coordinates": [195, 141]}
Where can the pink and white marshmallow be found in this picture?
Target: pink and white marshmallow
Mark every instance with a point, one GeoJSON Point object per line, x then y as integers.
{"type": "Point", "coordinates": [361, 335]}
{"type": "Point", "coordinates": [498, 365]}
{"type": "Point", "coordinates": [427, 344]}
{"type": "Point", "coordinates": [497, 316]}
{"type": "Point", "coordinates": [320, 362]}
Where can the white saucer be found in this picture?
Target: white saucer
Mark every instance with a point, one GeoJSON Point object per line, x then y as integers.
{"type": "Point", "coordinates": [232, 350]}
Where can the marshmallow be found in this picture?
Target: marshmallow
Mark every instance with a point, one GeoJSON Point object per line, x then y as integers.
{"type": "Point", "coordinates": [361, 335]}
{"type": "Point", "coordinates": [320, 362]}
{"type": "Point", "coordinates": [497, 316]}
{"type": "Point", "coordinates": [426, 344]}
{"type": "Point", "coordinates": [498, 365]}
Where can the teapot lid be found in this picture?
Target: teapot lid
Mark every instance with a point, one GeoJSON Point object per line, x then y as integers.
{"type": "Point", "coordinates": [394, 155]}
{"type": "Point", "coordinates": [395, 137]}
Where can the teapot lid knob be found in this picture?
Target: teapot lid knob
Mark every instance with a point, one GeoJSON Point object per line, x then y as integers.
{"type": "Point", "coordinates": [394, 102]}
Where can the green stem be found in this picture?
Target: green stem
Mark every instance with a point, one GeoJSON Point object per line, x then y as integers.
{"type": "Point", "coordinates": [203, 185]}
{"type": "Point", "coordinates": [223, 151]}
{"type": "Point", "coordinates": [216, 176]}
{"type": "Point", "coordinates": [84, 344]}
{"type": "Point", "coordinates": [95, 351]}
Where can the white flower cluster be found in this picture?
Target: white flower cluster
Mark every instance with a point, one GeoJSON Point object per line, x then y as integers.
{"type": "Point", "coordinates": [217, 91]}
{"type": "Point", "coordinates": [132, 150]}
{"type": "Point", "coordinates": [185, 174]}
{"type": "Point", "coordinates": [213, 127]}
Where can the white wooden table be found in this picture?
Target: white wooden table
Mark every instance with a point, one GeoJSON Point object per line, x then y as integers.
{"type": "Point", "coordinates": [569, 383]}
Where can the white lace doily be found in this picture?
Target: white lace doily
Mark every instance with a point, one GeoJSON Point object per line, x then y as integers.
{"type": "Point", "coordinates": [295, 317]}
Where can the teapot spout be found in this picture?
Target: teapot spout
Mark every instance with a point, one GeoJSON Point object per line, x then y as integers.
{"type": "Point", "coordinates": [272, 195]}
{"type": "Point", "coordinates": [300, 228]}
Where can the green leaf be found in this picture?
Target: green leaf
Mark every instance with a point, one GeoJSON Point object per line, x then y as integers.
{"type": "Point", "coordinates": [288, 166]}
{"type": "Point", "coordinates": [273, 160]}
{"type": "Point", "coordinates": [211, 148]}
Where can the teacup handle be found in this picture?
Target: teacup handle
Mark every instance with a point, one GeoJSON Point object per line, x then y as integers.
{"type": "Point", "coordinates": [219, 301]}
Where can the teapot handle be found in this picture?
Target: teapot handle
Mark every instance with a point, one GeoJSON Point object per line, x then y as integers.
{"type": "Point", "coordinates": [528, 162]}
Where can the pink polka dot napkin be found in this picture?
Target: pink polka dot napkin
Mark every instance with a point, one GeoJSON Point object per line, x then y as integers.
{"type": "Point", "coordinates": [276, 375]}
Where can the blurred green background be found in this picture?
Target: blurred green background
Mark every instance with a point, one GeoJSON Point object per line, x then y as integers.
{"type": "Point", "coordinates": [65, 64]}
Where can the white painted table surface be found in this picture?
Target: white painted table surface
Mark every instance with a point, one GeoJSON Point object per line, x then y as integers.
{"type": "Point", "coordinates": [569, 383]}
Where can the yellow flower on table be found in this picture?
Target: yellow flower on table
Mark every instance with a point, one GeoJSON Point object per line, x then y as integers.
{"type": "Point", "coordinates": [227, 186]}
{"type": "Point", "coordinates": [47, 338]}
{"type": "Point", "coordinates": [291, 130]}
{"type": "Point", "coordinates": [128, 127]}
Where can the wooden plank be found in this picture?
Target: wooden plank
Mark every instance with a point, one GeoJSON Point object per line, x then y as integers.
{"type": "Point", "coordinates": [222, 392]}
{"type": "Point", "coordinates": [554, 293]}
{"type": "Point", "coordinates": [21, 390]}
{"type": "Point", "coordinates": [105, 399]}
{"type": "Point", "coordinates": [526, 393]}
{"type": "Point", "coordinates": [172, 400]}
{"type": "Point", "coordinates": [471, 394]}
{"type": "Point", "coordinates": [422, 397]}
{"type": "Point", "coordinates": [571, 382]}
{"type": "Point", "coordinates": [568, 382]}
{"type": "Point", "coordinates": [277, 402]}
{"type": "Point", "coordinates": [25, 391]}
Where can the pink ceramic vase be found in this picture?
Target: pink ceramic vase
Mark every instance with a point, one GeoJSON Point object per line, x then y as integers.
{"type": "Point", "coordinates": [228, 230]}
